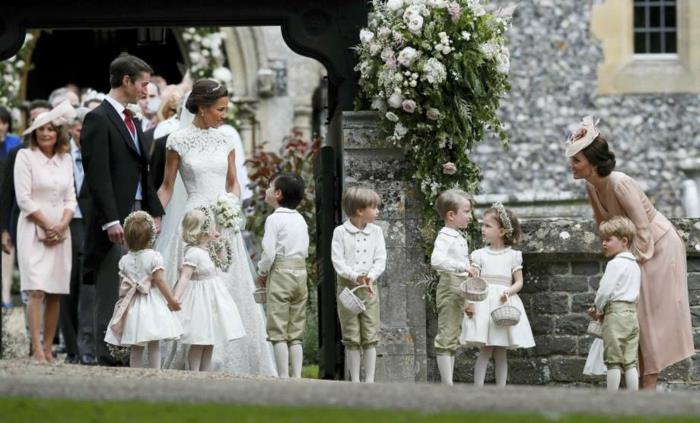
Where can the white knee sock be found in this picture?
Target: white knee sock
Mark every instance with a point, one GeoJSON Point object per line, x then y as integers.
{"type": "Point", "coordinates": [500, 357]}
{"type": "Point", "coordinates": [154, 355]}
{"type": "Point", "coordinates": [369, 361]}
{"type": "Point", "coordinates": [136, 356]}
{"type": "Point", "coordinates": [207, 352]}
{"type": "Point", "coordinates": [194, 357]}
{"type": "Point", "coordinates": [613, 379]}
{"type": "Point", "coordinates": [482, 361]}
{"type": "Point", "coordinates": [282, 359]}
{"type": "Point", "coordinates": [296, 357]}
{"type": "Point", "coordinates": [632, 379]}
{"type": "Point", "coordinates": [444, 363]}
{"type": "Point", "coordinates": [352, 360]}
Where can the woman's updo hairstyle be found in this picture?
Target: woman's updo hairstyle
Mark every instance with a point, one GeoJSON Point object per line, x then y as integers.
{"type": "Point", "coordinates": [205, 92]}
{"type": "Point", "coordinates": [599, 155]}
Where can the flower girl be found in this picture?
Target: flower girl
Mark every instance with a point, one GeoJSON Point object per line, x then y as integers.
{"type": "Point", "coordinates": [141, 316]}
{"type": "Point", "coordinates": [209, 315]}
{"type": "Point", "coordinates": [501, 266]}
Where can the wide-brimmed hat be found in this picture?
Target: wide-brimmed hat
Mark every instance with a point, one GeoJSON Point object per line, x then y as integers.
{"type": "Point", "coordinates": [59, 115]}
{"type": "Point", "coordinates": [582, 137]}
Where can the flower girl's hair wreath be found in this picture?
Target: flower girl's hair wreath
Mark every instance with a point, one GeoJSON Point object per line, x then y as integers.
{"type": "Point", "coordinates": [508, 221]}
{"type": "Point", "coordinates": [196, 226]}
{"type": "Point", "coordinates": [139, 230]}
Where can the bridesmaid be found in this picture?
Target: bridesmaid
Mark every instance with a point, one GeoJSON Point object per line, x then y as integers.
{"type": "Point", "coordinates": [663, 310]}
{"type": "Point", "coordinates": [46, 197]}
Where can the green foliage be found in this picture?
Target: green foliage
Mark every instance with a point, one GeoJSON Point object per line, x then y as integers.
{"type": "Point", "coordinates": [436, 72]}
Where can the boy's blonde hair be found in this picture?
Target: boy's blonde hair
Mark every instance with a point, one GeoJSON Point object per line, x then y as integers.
{"type": "Point", "coordinates": [450, 200]}
{"type": "Point", "coordinates": [359, 198]}
{"type": "Point", "coordinates": [620, 227]}
{"type": "Point", "coordinates": [139, 230]}
{"type": "Point", "coordinates": [195, 227]}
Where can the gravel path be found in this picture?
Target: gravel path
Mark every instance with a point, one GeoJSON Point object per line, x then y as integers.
{"type": "Point", "coordinates": [20, 377]}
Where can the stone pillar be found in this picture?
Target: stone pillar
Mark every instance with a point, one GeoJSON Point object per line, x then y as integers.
{"type": "Point", "coordinates": [369, 160]}
{"type": "Point", "coordinates": [691, 187]}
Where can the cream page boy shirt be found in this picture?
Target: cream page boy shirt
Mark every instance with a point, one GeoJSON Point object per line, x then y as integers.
{"type": "Point", "coordinates": [451, 252]}
{"type": "Point", "coordinates": [286, 235]}
{"type": "Point", "coordinates": [621, 281]}
{"type": "Point", "coordinates": [355, 252]}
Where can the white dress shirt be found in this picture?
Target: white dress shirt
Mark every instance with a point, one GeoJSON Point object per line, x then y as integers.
{"type": "Point", "coordinates": [120, 111]}
{"type": "Point", "coordinates": [450, 252]}
{"type": "Point", "coordinates": [356, 252]}
{"type": "Point", "coordinates": [78, 173]}
{"type": "Point", "coordinates": [621, 281]}
{"type": "Point", "coordinates": [286, 235]}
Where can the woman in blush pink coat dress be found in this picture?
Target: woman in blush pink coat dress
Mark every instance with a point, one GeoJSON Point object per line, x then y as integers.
{"type": "Point", "coordinates": [665, 335]}
{"type": "Point", "coordinates": [46, 197]}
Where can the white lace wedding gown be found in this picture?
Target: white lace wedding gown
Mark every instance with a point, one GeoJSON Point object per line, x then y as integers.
{"type": "Point", "coordinates": [203, 168]}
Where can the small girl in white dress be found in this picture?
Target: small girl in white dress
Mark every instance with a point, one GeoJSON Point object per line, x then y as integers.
{"type": "Point", "coordinates": [141, 316]}
{"type": "Point", "coordinates": [209, 314]}
{"type": "Point", "coordinates": [501, 266]}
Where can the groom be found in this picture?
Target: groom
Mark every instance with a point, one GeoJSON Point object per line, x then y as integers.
{"type": "Point", "coordinates": [116, 176]}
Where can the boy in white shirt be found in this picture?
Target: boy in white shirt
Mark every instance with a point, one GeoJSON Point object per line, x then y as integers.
{"type": "Point", "coordinates": [450, 259]}
{"type": "Point", "coordinates": [359, 258]}
{"type": "Point", "coordinates": [616, 303]}
{"type": "Point", "coordinates": [282, 269]}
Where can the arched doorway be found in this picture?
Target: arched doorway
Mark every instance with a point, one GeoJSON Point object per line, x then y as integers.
{"type": "Point", "coordinates": [82, 57]}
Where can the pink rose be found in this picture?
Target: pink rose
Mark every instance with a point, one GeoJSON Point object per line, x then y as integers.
{"type": "Point", "coordinates": [409, 106]}
{"type": "Point", "coordinates": [449, 168]}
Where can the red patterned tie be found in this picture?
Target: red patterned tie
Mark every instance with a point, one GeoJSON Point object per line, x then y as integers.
{"type": "Point", "coordinates": [129, 122]}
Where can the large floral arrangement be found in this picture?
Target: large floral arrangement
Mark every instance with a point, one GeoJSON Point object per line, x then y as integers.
{"type": "Point", "coordinates": [436, 71]}
{"type": "Point", "coordinates": [14, 70]}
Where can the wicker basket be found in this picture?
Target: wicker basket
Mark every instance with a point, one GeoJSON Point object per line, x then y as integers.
{"type": "Point", "coordinates": [260, 295]}
{"type": "Point", "coordinates": [595, 328]}
{"type": "Point", "coordinates": [475, 289]}
{"type": "Point", "coordinates": [350, 301]}
{"type": "Point", "coordinates": [505, 315]}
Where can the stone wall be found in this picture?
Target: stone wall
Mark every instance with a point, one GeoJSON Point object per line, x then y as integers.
{"type": "Point", "coordinates": [562, 269]}
{"type": "Point", "coordinates": [367, 160]}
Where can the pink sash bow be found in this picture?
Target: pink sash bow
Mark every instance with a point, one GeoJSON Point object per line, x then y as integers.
{"type": "Point", "coordinates": [127, 290]}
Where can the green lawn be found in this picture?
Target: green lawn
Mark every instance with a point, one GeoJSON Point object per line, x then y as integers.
{"type": "Point", "coordinates": [20, 410]}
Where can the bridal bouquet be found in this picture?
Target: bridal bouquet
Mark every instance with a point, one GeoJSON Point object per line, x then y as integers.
{"type": "Point", "coordinates": [229, 214]}
{"type": "Point", "coordinates": [435, 70]}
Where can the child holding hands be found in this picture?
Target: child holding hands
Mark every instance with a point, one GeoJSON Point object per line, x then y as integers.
{"type": "Point", "coordinates": [141, 316]}
{"type": "Point", "coordinates": [359, 258]}
{"type": "Point", "coordinates": [209, 314]}
{"type": "Point", "coordinates": [282, 269]}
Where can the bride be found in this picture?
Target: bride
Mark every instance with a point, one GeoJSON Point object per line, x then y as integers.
{"type": "Point", "coordinates": [206, 161]}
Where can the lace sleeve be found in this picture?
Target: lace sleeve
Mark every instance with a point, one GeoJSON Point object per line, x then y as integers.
{"type": "Point", "coordinates": [174, 143]}
{"type": "Point", "coordinates": [157, 262]}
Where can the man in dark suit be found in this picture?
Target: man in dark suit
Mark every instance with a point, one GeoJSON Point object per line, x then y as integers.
{"type": "Point", "coordinates": [157, 164]}
{"type": "Point", "coordinates": [116, 174]}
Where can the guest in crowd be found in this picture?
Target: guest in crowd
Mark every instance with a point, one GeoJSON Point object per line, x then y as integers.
{"type": "Point", "coordinates": [149, 107]}
{"type": "Point", "coordinates": [59, 95]}
{"type": "Point", "coordinates": [77, 308]}
{"type": "Point", "coordinates": [43, 179]}
{"type": "Point", "coordinates": [8, 142]}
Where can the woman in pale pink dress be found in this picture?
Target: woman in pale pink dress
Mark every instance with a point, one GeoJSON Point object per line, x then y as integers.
{"type": "Point", "coordinates": [664, 313]}
{"type": "Point", "coordinates": [46, 198]}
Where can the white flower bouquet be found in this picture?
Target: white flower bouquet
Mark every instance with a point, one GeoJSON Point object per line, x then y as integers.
{"type": "Point", "coordinates": [228, 212]}
{"type": "Point", "coordinates": [435, 70]}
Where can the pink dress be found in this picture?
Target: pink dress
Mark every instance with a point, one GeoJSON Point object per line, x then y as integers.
{"type": "Point", "coordinates": [47, 185]}
{"type": "Point", "coordinates": [665, 330]}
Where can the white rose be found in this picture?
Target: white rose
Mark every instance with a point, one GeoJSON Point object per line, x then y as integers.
{"type": "Point", "coordinates": [416, 24]}
{"type": "Point", "coordinates": [395, 100]}
{"type": "Point", "coordinates": [222, 74]}
{"type": "Point", "coordinates": [466, 36]}
{"type": "Point", "coordinates": [374, 48]}
{"type": "Point", "coordinates": [438, 4]}
{"type": "Point", "coordinates": [409, 106]}
{"type": "Point", "coordinates": [407, 56]}
{"type": "Point", "coordinates": [394, 5]}
{"type": "Point", "coordinates": [387, 53]}
{"type": "Point", "coordinates": [400, 131]}
{"type": "Point", "coordinates": [384, 32]}
{"type": "Point", "coordinates": [366, 36]}
{"type": "Point", "coordinates": [378, 104]}
{"type": "Point", "coordinates": [433, 113]}
{"type": "Point", "coordinates": [392, 116]}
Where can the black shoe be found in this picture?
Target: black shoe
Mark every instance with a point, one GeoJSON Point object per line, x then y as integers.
{"type": "Point", "coordinates": [71, 359]}
{"type": "Point", "coordinates": [88, 360]}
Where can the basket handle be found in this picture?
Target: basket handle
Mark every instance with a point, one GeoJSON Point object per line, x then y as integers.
{"type": "Point", "coordinates": [358, 287]}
